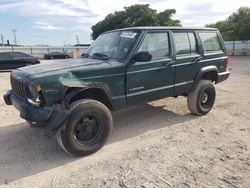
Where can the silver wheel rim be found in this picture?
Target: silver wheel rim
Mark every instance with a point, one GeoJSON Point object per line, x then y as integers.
{"type": "Point", "coordinates": [204, 98]}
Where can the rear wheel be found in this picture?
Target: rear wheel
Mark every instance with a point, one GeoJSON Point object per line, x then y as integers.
{"type": "Point", "coordinates": [87, 129]}
{"type": "Point", "coordinates": [201, 100]}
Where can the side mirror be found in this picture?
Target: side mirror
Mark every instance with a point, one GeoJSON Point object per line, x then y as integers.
{"type": "Point", "coordinates": [142, 57]}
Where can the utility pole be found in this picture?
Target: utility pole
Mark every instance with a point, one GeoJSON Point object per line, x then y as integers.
{"type": "Point", "coordinates": [14, 32]}
{"type": "Point", "coordinates": [77, 39]}
{"type": "Point", "coordinates": [2, 39]}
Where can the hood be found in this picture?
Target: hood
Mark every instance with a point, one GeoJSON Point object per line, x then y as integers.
{"type": "Point", "coordinates": [57, 76]}
{"type": "Point", "coordinates": [82, 66]}
{"type": "Point", "coordinates": [56, 66]}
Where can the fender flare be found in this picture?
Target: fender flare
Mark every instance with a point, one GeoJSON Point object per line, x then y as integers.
{"type": "Point", "coordinates": [77, 90]}
{"type": "Point", "coordinates": [203, 70]}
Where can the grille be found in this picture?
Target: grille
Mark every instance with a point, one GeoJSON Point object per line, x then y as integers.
{"type": "Point", "coordinates": [20, 88]}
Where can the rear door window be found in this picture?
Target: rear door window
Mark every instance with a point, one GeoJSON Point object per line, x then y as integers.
{"type": "Point", "coordinates": [156, 44]}
{"type": "Point", "coordinates": [210, 41]}
{"type": "Point", "coordinates": [185, 43]}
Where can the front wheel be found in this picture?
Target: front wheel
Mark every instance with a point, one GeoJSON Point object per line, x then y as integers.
{"type": "Point", "coordinates": [201, 100]}
{"type": "Point", "coordinates": [88, 128]}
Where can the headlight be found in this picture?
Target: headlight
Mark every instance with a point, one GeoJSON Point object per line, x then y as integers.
{"type": "Point", "coordinates": [33, 94]}
{"type": "Point", "coordinates": [38, 98]}
{"type": "Point", "coordinates": [35, 102]}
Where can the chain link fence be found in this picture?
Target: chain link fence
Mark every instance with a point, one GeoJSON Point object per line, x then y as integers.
{"type": "Point", "coordinates": [238, 48]}
{"type": "Point", "coordinates": [234, 48]}
{"type": "Point", "coordinates": [39, 52]}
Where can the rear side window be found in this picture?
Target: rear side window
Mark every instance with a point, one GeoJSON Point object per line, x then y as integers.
{"type": "Point", "coordinates": [156, 44]}
{"type": "Point", "coordinates": [210, 41]}
{"type": "Point", "coordinates": [185, 43]}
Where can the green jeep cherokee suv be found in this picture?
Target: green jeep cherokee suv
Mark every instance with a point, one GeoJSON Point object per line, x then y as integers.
{"type": "Point", "coordinates": [74, 98]}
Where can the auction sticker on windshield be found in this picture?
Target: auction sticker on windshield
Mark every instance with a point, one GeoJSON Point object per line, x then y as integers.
{"type": "Point", "coordinates": [128, 35]}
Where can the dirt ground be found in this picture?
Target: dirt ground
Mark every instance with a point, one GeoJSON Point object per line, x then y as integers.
{"type": "Point", "coordinates": [153, 145]}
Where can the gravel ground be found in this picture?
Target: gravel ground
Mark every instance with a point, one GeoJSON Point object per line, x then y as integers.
{"type": "Point", "coordinates": [159, 144]}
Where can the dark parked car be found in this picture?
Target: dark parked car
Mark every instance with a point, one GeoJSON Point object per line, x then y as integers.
{"type": "Point", "coordinates": [13, 60]}
{"type": "Point", "coordinates": [74, 99]}
{"type": "Point", "coordinates": [56, 55]}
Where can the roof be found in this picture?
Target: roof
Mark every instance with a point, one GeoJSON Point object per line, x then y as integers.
{"type": "Point", "coordinates": [165, 28]}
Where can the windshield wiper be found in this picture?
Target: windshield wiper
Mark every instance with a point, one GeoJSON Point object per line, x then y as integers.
{"type": "Point", "coordinates": [100, 55]}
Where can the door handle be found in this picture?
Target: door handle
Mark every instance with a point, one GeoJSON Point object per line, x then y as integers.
{"type": "Point", "coordinates": [197, 59]}
{"type": "Point", "coordinates": [168, 63]}
{"type": "Point", "coordinates": [171, 62]}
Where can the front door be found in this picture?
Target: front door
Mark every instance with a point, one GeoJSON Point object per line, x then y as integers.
{"type": "Point", "coordinates": [153, 79]}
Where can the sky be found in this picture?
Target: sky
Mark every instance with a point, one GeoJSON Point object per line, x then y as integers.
{"type": "Point", "coordinates": [57, 22]}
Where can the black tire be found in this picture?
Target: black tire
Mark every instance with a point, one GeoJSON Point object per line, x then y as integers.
{"type": "Point", "coordinates": [88, 128]}
{"type": "Point", "coordinates": [201, 100]}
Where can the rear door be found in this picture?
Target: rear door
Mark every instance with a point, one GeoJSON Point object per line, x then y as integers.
{"type": "Point", "coordinates": [187, 60]}
{"type": "Point", "coordinates": [153, 79]}
{"type": "Point", "coordinates": [5, 61]}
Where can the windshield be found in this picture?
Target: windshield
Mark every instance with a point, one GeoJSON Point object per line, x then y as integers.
{"type": "Point", "coordinates": [114, 45]}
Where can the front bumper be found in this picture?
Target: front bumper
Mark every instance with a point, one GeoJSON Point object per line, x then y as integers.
{"type": "Point", "coordinates": [222, 76]}
{"type": "Point", "coordinates": [51, 117]}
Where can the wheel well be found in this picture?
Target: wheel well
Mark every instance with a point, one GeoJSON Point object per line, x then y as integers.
{"type": "Point", "coordinates": [211, 75]}
{"type": "Point", "coordinates": [91, 93]}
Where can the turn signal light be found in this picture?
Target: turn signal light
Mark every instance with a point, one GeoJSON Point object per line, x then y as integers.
{"type": "Point", "coordinates": [38, 88]}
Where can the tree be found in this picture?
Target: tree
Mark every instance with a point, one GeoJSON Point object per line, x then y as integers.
{"type": "Point", "coordinates": [135, 15]}
{"type": "Point", "coordinates": [236, 26]}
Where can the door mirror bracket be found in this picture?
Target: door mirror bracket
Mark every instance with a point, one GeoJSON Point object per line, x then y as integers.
{"type": "Point", "coordinates": [142, 57]}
